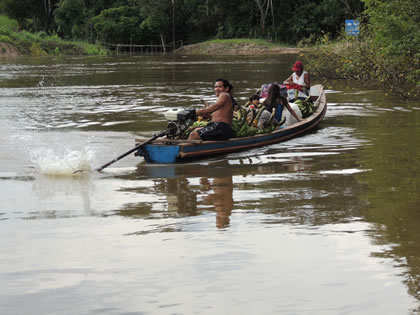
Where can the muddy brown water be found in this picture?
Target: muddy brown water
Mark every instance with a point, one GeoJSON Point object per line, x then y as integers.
{"type": "Point", "coordinates": [327, 223]}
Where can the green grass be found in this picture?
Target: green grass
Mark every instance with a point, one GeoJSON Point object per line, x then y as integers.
{"type": "Point", "coordinates": [236, 41]}
{"type": "Point", "coordinates": [8, 23]}
{"type": "Point", "coordinates": [235, 45]}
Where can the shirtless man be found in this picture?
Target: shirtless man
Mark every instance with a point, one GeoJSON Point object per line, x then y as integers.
{"type": "Point", "coordinates": [221, 113]}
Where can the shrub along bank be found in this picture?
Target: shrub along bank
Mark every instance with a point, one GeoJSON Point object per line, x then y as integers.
{"type": "Point", "coordinates": [360, 59]}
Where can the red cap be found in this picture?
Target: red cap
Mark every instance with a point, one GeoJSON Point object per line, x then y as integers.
{"type": "Point", "coordinates": [297, 66]}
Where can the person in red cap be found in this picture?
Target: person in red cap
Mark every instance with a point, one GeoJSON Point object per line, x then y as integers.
{"type": "Point", "coordinates": [299, 80]}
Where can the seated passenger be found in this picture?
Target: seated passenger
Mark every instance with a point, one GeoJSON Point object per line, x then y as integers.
{"type": "Point", "coordinates": [254, 101]}
{"type": "Point", "coordinates": [299, 82]}
{"type": "Point", "coordinates": [254, 106]}
{"type": "Point", "coordinates": [276, 101]}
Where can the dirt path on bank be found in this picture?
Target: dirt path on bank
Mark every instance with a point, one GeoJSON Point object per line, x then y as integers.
{"type": "Point", "coordinates": [234, 49]}
{"type": "Point", "coordinates": [8, 50]}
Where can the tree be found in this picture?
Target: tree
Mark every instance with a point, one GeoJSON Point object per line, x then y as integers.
{"type": "Point", "coordinates": [118, 25]}
{"type": "Point", "coordinates": [195, 20]}
{"type": "Point", "coordinates": [263, 6]}
{"type": "Point", "coordinates": [157, 20]}
{"type": "Point", "coordinates": [394, 25]}
{"type": "Point", "coordinates": [40, 12]}
{"type": "Point", "coordinates": [48, 12]}
{"type": "Point", "coordinates": [70, 17]}
{"type": "Point", "coordinates": [20, 10]}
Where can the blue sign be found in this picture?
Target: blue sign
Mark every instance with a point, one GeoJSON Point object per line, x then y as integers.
{"type": "Point", "coordinates": [352, 27]}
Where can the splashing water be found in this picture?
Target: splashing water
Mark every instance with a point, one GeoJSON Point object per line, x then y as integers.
{"type": "Point", "coordinates": [50, 162]}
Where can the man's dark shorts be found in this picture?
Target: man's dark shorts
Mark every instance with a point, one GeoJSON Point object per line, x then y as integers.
{"type": "Point", "coordinates": [215, 131]}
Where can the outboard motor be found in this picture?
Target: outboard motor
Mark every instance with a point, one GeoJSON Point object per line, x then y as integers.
{"type": "Point", "coordinates": [179, 121]}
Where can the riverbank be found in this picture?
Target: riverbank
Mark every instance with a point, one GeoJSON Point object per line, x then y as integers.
{"type": "Point", "coordinates": [8, 50]}
{"type": "Point", "coordinates": [214, 47]}
{"type": "Point", "coordinates": [25, 43]}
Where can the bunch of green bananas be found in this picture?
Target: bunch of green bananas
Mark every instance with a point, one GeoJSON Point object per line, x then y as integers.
{"type": "Point", "coordinates": [306, 107]}
{"type": "Point", "coordinates": [245, 123]}
{"type": "Point", "coordinates": [197, 124]}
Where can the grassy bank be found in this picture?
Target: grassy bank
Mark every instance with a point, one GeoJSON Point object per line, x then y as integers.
{"type": "Point", "coordinates": [41, 44]}
{"type": "Point", "coordinates": [238, 46]}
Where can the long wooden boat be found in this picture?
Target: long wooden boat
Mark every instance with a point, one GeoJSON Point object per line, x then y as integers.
{"type": "Point", "coordinates": [168, 151]}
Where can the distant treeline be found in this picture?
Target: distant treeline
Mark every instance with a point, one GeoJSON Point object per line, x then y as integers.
{"type": "Point", "coordinates": [165, 21]}
{"type": "Point", "coordinates": [385, 53]}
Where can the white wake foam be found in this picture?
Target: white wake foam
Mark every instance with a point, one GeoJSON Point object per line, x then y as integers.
{"type": "Point", "coordinates": [62, 162]}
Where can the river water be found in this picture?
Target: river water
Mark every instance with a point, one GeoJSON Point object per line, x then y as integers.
{"type": "Point", "coordinates": [327, 223]}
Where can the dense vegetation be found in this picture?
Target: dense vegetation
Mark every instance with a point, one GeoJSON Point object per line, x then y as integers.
{"type": "Point", "coordinates": [386, 51]}
{"type": "Point", "coordinates": [151, 21]}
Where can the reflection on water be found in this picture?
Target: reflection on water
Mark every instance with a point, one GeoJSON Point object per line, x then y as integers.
{"type": "Point", "coordinates": [292, 190]}
{"type": "Point", "coordinates": [221, 198]}
{"type": "Point", "coordinates": [50, 191]}
{"type": "Point", "coordinates": [392, 190]}
{"type": "Point", "coordinates": [185, 199]}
